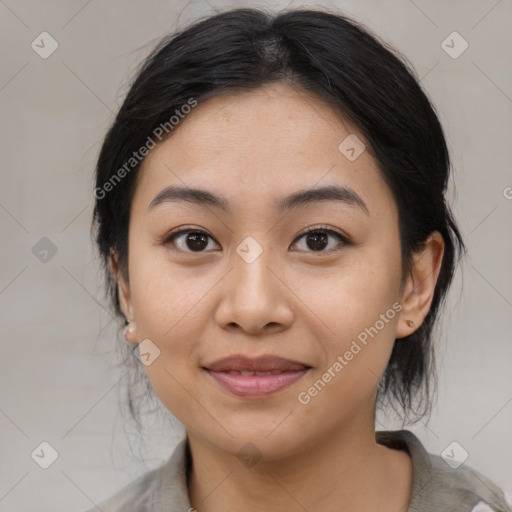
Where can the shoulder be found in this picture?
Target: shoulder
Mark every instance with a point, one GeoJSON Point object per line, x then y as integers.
{"type": "Point", "coordinates": [439, 486]}
{"type": "Point", "coordinates": [466, 487]}
{"type": "Point", "coordinates": [162, 488]}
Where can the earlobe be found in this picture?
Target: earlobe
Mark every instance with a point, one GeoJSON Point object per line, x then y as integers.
{"type": "Point", "coordinates": [421, 283]}
{"type": "Point", "coordinates": [130, 333]}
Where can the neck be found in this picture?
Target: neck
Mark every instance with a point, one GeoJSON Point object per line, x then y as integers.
{"type": "Point", "coordinates": [347, 470]}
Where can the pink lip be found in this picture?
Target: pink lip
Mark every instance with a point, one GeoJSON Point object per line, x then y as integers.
{"type": "Point", "coordinates": [256, 386]}
{"type": "Point", "coordinates": [240, 362]}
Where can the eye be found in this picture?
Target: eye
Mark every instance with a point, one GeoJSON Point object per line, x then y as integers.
{"type": "Point", "coordinates": [317, 239]}
{"type": "Point", "coordinates": [196, 240]}
{"type": "Point", "coordinates": [191, 239]}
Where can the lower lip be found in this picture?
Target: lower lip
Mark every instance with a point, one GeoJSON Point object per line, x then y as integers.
{"type": "Point", "coordinates": [256, 386]}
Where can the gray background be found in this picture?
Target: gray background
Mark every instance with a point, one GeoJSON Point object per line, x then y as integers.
{"type": "Point", "coordinates": [58, 376]}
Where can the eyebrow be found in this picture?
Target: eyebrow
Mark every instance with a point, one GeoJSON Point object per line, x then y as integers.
{"type": "Point", "coordinates": [300, 198]}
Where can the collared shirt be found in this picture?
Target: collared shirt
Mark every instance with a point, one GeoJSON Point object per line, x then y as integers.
{"type": "Point", "coordinates": [437, 487]}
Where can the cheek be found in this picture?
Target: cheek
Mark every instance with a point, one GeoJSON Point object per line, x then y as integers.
{"type": "Point", "coordinates": [165, 296]}
{"type": "Point", "coordinates": [356, 313]}
{"type": "Point", "coordinates": [352, 296]}
{"type": "Point", "coordinates": [171, 314]}
{"type": "Point", "coordinates": [357, 345]}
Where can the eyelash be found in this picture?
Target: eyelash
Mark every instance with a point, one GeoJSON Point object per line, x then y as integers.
{"type": "Point", "coordinates": [344, 241]}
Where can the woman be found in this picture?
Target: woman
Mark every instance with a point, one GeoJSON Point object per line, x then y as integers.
{"type": "Point", "coordinates": [271, 217]}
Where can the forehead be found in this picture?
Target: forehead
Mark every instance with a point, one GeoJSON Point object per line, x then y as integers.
{"type": "Point", "coordinates": [264, 143]}
{"type": "Point", "coordinates": [257, 122]}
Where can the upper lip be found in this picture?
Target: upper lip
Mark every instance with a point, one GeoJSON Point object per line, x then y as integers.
{"type": "Point", "coordinates": [257, 364]}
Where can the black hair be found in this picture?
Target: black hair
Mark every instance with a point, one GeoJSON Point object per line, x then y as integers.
{"type": "Point", "coordinates": [343, 64]}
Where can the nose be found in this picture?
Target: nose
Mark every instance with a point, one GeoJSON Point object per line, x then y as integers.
{"type": "Point", "coordinates": [255, 297]}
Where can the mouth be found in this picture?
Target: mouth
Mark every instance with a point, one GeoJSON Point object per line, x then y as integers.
{"type": "Point", "coordinates": [256, 377]}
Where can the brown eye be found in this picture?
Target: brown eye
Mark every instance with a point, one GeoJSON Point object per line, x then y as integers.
{"type": "Point", "coordinates": [317, 239]}
{"type": "Point", "coordinates": [189, 240]}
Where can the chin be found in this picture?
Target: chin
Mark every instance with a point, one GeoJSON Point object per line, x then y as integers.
{"type": "Point", "coordinates": [260, 442]}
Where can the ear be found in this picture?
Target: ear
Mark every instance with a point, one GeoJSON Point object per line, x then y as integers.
{"type": "Point", "coordinates": [419, 288]}
{"type": "Point", "coordinates": [122, 286]}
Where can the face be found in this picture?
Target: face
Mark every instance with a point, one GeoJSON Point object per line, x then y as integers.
{"type": "Point", "coordinates": [209, 280]}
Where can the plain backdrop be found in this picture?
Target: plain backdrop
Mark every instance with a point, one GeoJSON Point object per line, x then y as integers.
{"type": "Point", "coordinates": [58, 379]}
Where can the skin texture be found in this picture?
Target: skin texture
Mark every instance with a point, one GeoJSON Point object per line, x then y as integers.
{"type": "Point", "coordinates": [292, 301]}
